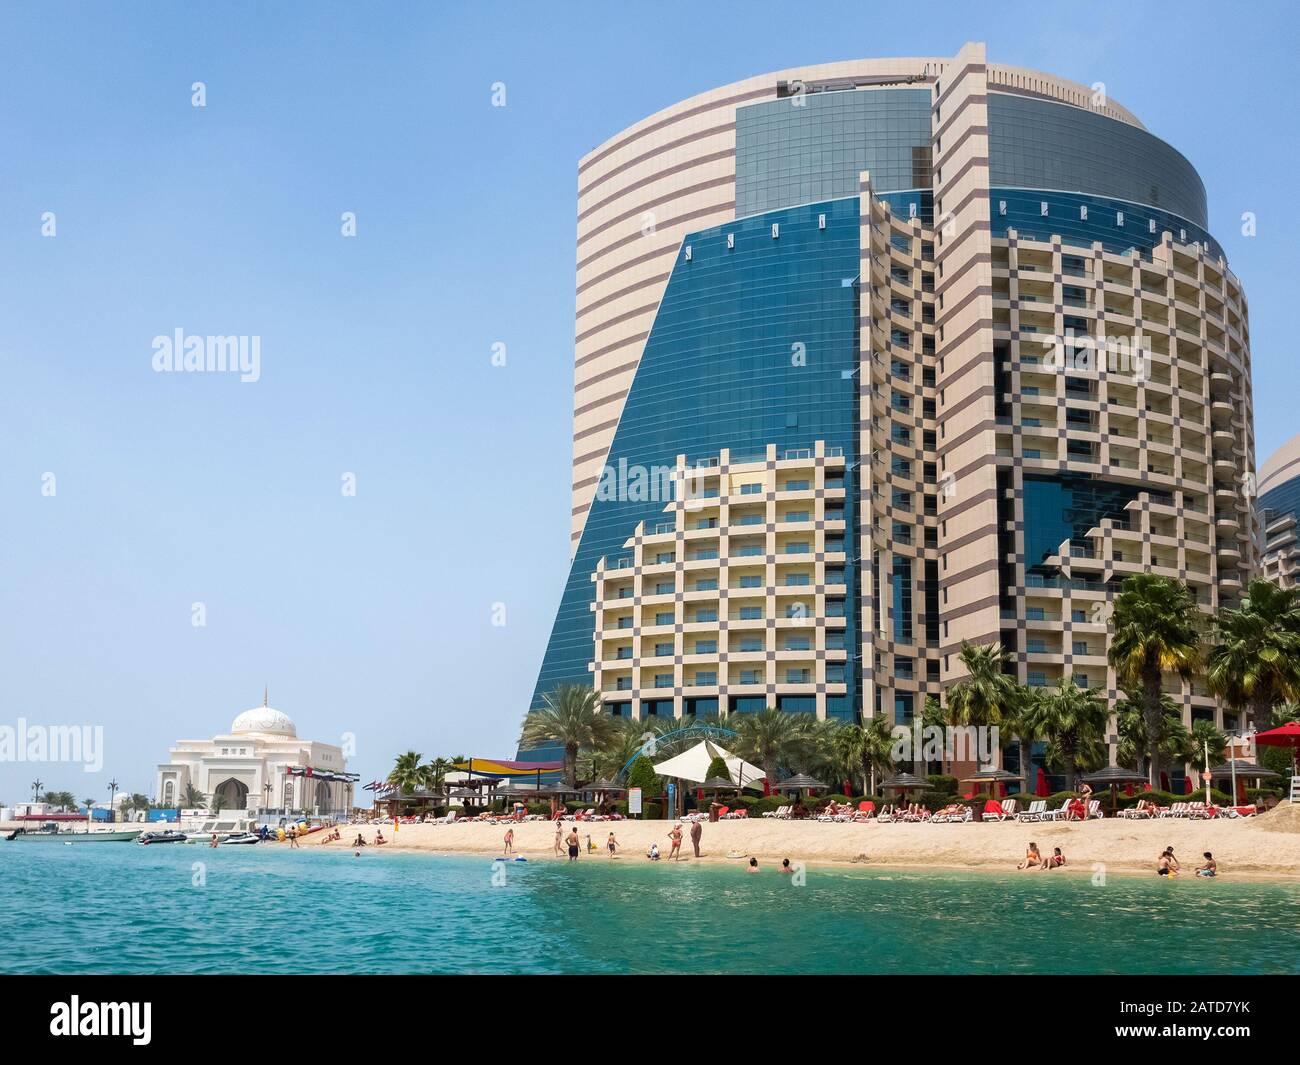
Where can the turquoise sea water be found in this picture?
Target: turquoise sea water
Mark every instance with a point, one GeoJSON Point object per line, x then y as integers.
{"type": "Point", "coordinates": [106, 908]}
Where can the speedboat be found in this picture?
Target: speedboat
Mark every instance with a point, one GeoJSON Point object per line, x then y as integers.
{"type": "Point", "coordinates": [168, 836]}
{"type": "Point", "coordinates": [53, 834]}
{"type": "Point", "coordinates": [240, 838]}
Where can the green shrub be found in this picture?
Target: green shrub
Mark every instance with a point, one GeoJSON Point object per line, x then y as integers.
{"type": "Point", "coordinates": [941, 784]}
{"type": "Point", "coordinates": [642, 775]}
{"type": "Point", "coordinates": [718, 768]}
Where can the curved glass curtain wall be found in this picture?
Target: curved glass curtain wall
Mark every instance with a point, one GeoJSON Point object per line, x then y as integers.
{"type": "Point", "coordinates": [1038, 144]}
{"type": "Point", "coordinates": [718, 371]}
{"type": "Point", "coordinates": [800, 149]}
{"type": "Point", "coordinates": [1284, 499]}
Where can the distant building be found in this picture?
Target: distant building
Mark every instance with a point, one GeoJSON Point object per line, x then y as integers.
{"type": "Point", "coordinates": [259, 764]}
{"type": "Point", "coordinates": [1278, 506]}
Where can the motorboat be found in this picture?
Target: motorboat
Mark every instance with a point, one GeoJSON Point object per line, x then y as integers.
{"type": "Point", "coordinates": [236, 839]}
{"type": "Point", "coordinates": [52, 833]}
{"type": "Point", "coordinates": [167, 836]}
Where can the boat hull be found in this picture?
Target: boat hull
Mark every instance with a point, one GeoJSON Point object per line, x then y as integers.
{"type": "Point", "coordinates": [76, 837]}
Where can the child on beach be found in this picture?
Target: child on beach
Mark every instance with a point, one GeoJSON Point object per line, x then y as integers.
{"type": "Point", "coordinates": [653, 853]}
{"type": "Point", "coordinates": [510, 841]}
{"type": "Point", "coordinates": [1210, 868]}
{"type": "Point", "coordinates": [1167, 864]}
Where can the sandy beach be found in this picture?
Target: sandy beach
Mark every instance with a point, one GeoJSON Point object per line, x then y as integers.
{"type": "Point", "coordinates": [1265, 846]}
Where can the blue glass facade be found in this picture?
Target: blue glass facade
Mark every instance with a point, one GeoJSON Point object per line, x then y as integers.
{"type": "Point", "coordinates": [1065, 508]}
{"type": "Point", "coordinates": [717, 372]}
{"type": "Point", "coordinates": [1284, 499]}
{"type": "Point", "coordinates": [801, 149]}
{"type": "Point", "coordinates": [1038, 144]}
{"type": "Point", "coordinates": [1081, 219]}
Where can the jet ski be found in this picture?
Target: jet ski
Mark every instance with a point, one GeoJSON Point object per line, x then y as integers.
{"type": "Point", "coordinates": [240, 838]}
{"type": "Point", "coordinates": [169, 836]}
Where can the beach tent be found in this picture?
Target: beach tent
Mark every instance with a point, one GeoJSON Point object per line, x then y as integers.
{"type": "Point", "coordinates": [693, 765]}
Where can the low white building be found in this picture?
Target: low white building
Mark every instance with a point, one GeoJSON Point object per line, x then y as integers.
{"type": "Point", "coordinates": [260, 764]}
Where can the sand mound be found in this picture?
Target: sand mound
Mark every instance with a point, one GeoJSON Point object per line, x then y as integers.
{"type": "Point", "coordinates": [1284, 817]}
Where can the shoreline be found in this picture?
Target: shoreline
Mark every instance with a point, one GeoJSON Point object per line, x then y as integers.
{"type": "Point", "coordinates": [1262, 848]}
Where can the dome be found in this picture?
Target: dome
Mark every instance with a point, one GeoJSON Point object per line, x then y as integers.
{"type": "Point", "coordinates": [264, 719]}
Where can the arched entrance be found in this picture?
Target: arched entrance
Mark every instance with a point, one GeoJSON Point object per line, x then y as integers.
{"type": "Point", "coordinates": [169, 793]}
{"type": "Point", "coordinates": [322, 795]}
{"type": "Point", "coordinates": [232, 794]}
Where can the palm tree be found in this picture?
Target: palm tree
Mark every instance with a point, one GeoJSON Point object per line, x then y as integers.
{"type": "Point", "coordinates": [192, 797]}
{"type": "Point", "coordinates": [88, 803]}
{"type": "Point", "coordinates": [435, 772]}
{"type": "Point", "coordinates": [766, 738]}
{"type": "Point", "coordinates": [572, 717]}
{"type": "Point", "coordinates": [1157, 630]}
{"type": "Point", "coordinates": [407, 773]}
{"type": "Point", "coordinates": [877, 749]}
{"type": "Point", "coordinates": [1074, 720]}
{"type": "Point", "coordinates": [1255, 661]}
{"type": "Point", "coordinates": [1205, 733]}
{"type": "Point", "coordinates": [935, 715]}
{"type": "Point", "coordinates": [1025, 723]}
{"type": "Point", "coordinates": [988, 694]}
{"type": "Point", "coordinates": [1134, 741]}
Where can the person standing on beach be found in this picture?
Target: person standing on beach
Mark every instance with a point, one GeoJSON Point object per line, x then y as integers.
{"type": "Point", "coordinates": [510, 841]}
{"type": "Point", "coordinates": [697, 830]}
{"type": "Point", "coordinates": [559, 838]}
{"type": "Point", "coordinates": [293, 838]}
{"type": "Point", "coordinates": [612, 844]}
{"type": "Point", "coordinates": [573, 841]}
{"type": "Point", "coordinates": [675, 838]}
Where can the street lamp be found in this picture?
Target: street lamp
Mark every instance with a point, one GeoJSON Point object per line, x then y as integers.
{"type": "Point", "coordinates": [36, 789]}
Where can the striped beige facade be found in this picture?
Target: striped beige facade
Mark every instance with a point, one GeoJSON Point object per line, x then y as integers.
{"type": "Point", "coordinates": [961, 398]}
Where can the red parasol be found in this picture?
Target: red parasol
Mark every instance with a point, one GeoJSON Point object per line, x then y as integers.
{"type": "Point", "coordinates": [1287, 735]}
{"type": "Point", "coordinates": [1040, 785]}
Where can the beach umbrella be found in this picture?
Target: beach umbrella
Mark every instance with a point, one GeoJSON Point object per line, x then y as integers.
{"type": "Point", "coordinates": [1287, 735]}
{"type": "Point", "coordinates": [903, 782]}
{"type": "Point", "coordinates": [1040, 784]}
{"type": "Point", "coordinates": [991, 775]}
{"type": "Point", "coordinates": [719, 784]}
{"type": "Point", "coordinates": [1113, 776]}
{"type": "Point", "coordinates": [799, 782]}
{"type": "Point", "coordinates": [1241, 767]}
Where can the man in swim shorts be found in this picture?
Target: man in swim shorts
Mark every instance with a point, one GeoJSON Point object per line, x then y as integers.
{"type": "Point", "coordinates": [572, 841]}
{"type": "Point", "coordinates": [1210, 868]}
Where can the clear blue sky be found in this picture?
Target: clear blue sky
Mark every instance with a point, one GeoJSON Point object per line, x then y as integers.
{"type": "Point", "coordinates": [372, 614]}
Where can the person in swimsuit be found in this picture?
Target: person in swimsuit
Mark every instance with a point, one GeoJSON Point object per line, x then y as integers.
{"type": "Point", "coordinates": [675, 838]}
{"type": "Point", "coordinates": [1056, 860]}
{"type": "Point", "coordinates": [379, 837]}
{"type": "Point", "coordinates": [612, 844]}
{"type": "Point", "coordinates": [1167, 864]}
{"type": "Point", "coordinates": [1033, 860]}
{"type": "Point", "coordinates": [510, 841]}
{"type": "Point", "coordinates": [572, 841]}
{"type": "Point", "coordinates": [1210, 868]}
{"type": "Point", "coordinates": [697, 830]}
{"type": "Point", "coordinates": [785, 866]}
{"type": "Point", "coordinates": [559, 838]}
{"type": "Point", "coordinates": [753, 865]}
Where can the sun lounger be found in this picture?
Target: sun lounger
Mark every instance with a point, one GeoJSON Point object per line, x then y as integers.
{"type": "Point", "coordinates": [1057, 814]}
{"type": "Point", "coordinates": [996, 811]}
{"type": "Point", "coordinates": [1094, 809]}
{"type": "Point", "coordinates": [778, 812]}
{"type": "Point", "coordinates": [864, 811]}
{"type": "Point", "coordinates": [1035, 812]}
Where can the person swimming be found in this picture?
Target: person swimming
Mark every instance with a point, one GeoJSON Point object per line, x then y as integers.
{"type": "Point", "coordinates": [785, 866]}
{"type": "Point", "coordinates": [753, 865]}
{"type": "Point", "coordinates": [1210, 868]}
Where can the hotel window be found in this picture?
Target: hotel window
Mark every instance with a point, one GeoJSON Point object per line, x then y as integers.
{"type": "Point", "coordinates": [797, 547]}
{"type": "Point", "coordinates": [706, 647]}
{"type": "Point", "coordinates": [751, 489]}
{"type": "Point", "coordinates": [797, 643]}
{"type": "Point", "coordinates": [835, 544]}
{"type": "Point", "coordinates": [834, 608]}
{"type": "Point", "coordinates": [1081, 680]}
{"type": "Point", "coordinates": [624, 623]}
{"type": "Point", "coordinates": [706, 615]}
{"type": "Point", "coordinates": [623, 652]}
{"type": "Point", "coordinates": [751, 643]}
{"type": "Point", "coordinates": [835, 673]}
{"type": "Point", "coordinates": [663, 680]}
{"type": "Point", "coordinates": [796, 515]}
{"type": "Point", "coordinates": [665, 618]}
{"type": "Point", "coordinates": [750, 613]}
{"type": "Point", "coordinates": [795, 486]}
{"type": "Point", "coordinates": [750, 580]}
{"type": "Point", "coordinates": [750, 676]}
{"type": "Point", "coordinates": [1037, 679]}
{"type": "Point", "coordinates": [706, 678]}
{"type": "Point", "coordinates": [664, 588]}
{"type": "Point", "coordinates": [797, 579]}
{"type": "Point", "coordinates": [663, 558]}
{"type": "Point", "coordinates": [835, 641]}
{"type": "Point", "coordinates": [834, 574]}
{"type": "Point", "coordinates": [1080, 647]}
{"type": "Point", "coordinates": [663, 649]}
{"type": "Point", "coordinates": [798, 676]}
{"type": "Point", "coordinates": [623, 684]}
{"type": "Point", "coordinates": [707, 585]}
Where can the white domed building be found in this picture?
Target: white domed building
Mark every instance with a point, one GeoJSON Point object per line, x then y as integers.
{"type": "Point", "coordinates": [260, 764]}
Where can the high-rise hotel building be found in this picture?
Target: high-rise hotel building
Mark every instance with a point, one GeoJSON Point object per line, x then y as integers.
{"type": "Point", "coordinates": [929, 351]}
{"type": "Point", "coordinates": [1278, 506]}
